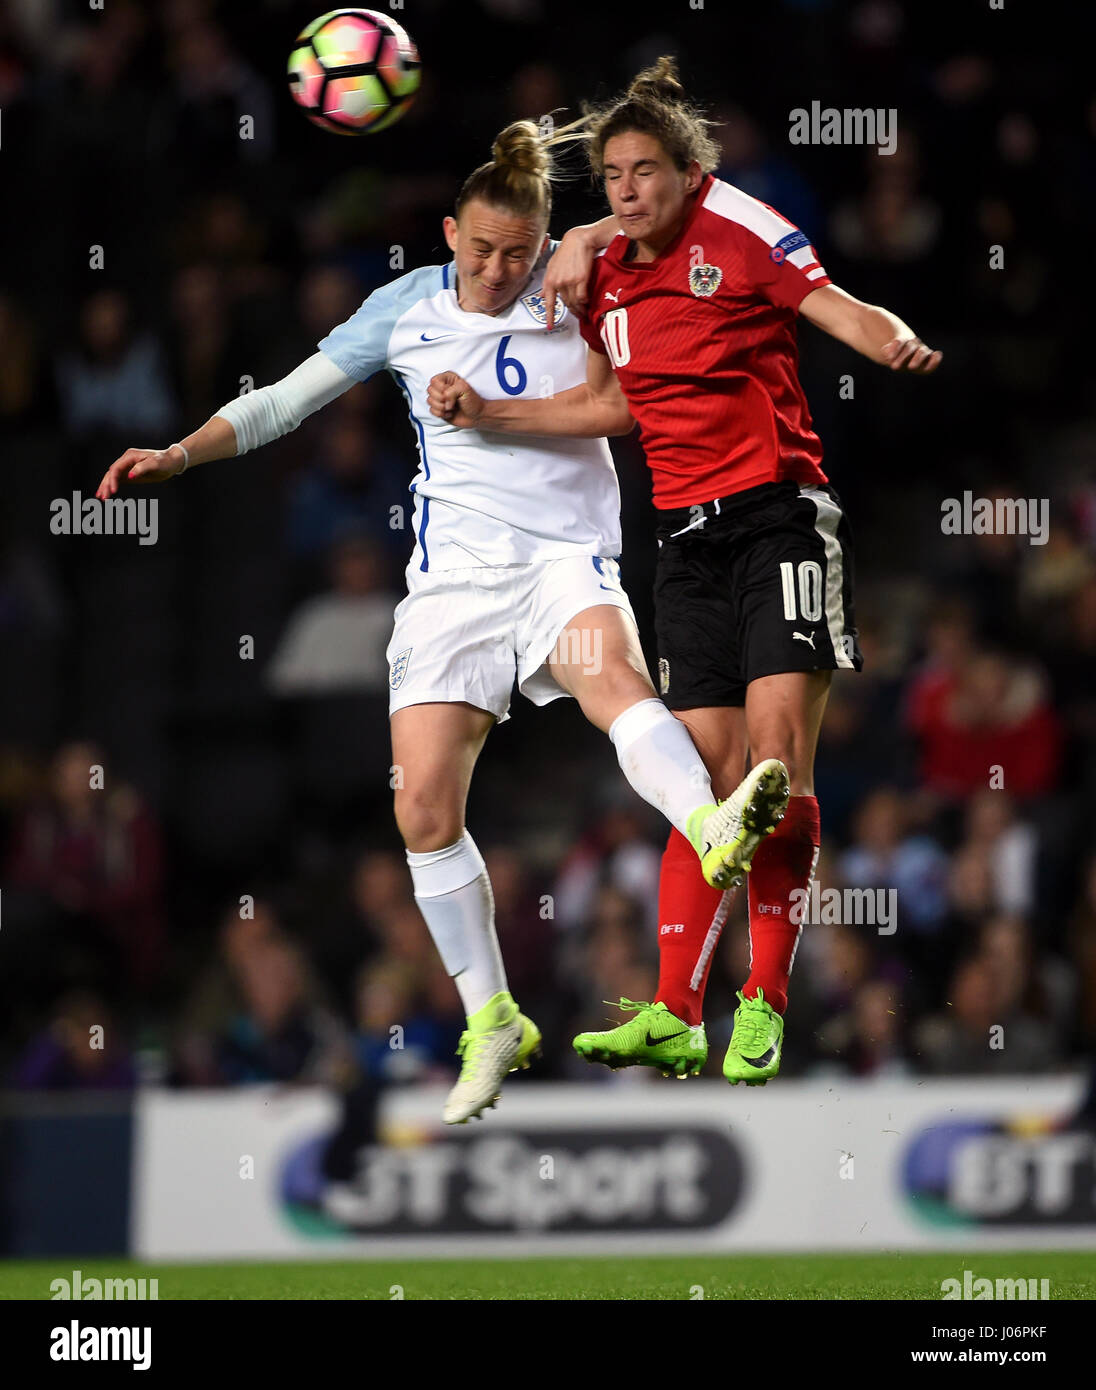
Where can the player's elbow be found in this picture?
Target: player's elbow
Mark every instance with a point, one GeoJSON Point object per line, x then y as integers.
{"type": "Point", "coordinates": [614, 415]}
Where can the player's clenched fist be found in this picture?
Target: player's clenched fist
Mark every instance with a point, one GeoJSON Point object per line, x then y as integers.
{"type": "Point", "coordinates": [911, 355]}
{"type": "Point", "coordinates": [451, 398]}
{"type": "Point", "coordinates": [141, 466]}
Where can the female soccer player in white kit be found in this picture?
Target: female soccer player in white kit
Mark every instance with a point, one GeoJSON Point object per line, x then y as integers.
{"type": "Point", "coordinates": [513, 573]}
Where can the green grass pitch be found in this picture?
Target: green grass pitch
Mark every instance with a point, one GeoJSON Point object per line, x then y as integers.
{"type": "Point", "coordinates": [897, 1275]}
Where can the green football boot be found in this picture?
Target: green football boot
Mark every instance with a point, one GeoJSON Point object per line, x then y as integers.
{"type": "Point", "coordinates": [654, 1038]}
{"type": "Point", "coordinates": [726, 836]}
{"type": "Point", "coordinates": [499, 1039]}
{"type": "Point", "coordinates": [754, 1053]}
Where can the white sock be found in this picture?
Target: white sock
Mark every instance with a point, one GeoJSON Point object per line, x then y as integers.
{"type": "Point", "coordinates": [659, 759]}
{"type": "Point", "coordinates": [454, 895]}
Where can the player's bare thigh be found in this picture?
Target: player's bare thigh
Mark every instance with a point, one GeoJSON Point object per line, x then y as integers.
{"type": "Point", "coordinates": [719, 732]}
{"type": "Point", "coordinates": [781, 719]}
{"type": "Point", "coordinates": [434, 751]}
{"type": "Point", "coordinates": [598, 659]}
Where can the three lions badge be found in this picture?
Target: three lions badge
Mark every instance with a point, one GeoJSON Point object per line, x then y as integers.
{"type": "Point", "coordinates": [398, 669]}
{"type": "Point", "coordinates": [537, 308]}
{"type": "Point", "coordinates": [704, 280]}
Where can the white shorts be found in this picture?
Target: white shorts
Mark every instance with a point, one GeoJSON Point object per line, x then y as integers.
{"type": "Point", "coordinates": [467, 634]}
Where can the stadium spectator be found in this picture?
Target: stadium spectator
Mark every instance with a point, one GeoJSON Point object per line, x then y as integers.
{"type": "Point", "coordinates": [886, 852]}
{"type": "Point", "coordinates": [1040, 983]}
{"type": "Point", "coordinates": [81, 1048]}
{"type": "Point", "coordinates": [279, 1033]}
{"type": "Point", "coordinates": [615, 849]}
{"type": "Point", "coordinates": [354, 482]}
{"type": "Point", "coordinates": [1011, 846]}
{"type": "Point", "coordinates": [218, 111]}
{"type": "Point", "coordinates": [867, 1039]}
{"type": "Point", "coordinates": [606, 960]}
{"type": "Point", "coordinates": [258, 1013]}
{"type": "Point", "coordinates": [343, 915]}
{"type": "Point", "coordinates": [115, 381]}
{"type": "Point", "coordinates": [226, 231]}
{"type": "Point", "coordinates": [336, 641]}
{"type": "Point", "coordinates": [891, 222]}
{"type": "Point", "coordinates": [201, 341]}
{"type": "Point", "coordinates": [523, 921]}
{"type": "Point", "coordinates": [398, 1039]}
{"type": "Point", "coordinates": [1050, 576]}
{"type": "Point", "coordinates": [982, 1029]}
{"type": "Point", "coordinates": [748, 161]}
{"type": "Point", "coordinates": [991, 719]}
{"type": "Point", "coordinates": [91, 854]}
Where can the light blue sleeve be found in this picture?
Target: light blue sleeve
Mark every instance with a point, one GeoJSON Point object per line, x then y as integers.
{"type": "Point", "coordinates": [359, 347]}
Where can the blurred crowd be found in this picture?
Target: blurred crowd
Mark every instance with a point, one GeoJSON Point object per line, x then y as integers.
{"type": "Point", "coordinates": [198, 855]}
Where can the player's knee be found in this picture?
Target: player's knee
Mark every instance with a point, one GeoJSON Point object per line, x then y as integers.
{"type": "Point", "coordinates": [426, 825]}
{"type": "Point", "coordinates": [619, 685]}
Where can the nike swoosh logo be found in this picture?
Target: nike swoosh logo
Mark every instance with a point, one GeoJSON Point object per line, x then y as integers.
{"type": "Point", "coordinates": [654, 1042]}
{"type": "Point", "coordinates": [425, 339]}
{"type": "Point", "coordinates": [761, 1061]}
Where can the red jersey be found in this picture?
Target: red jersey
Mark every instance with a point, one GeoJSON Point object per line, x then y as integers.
{"type": "Point", "coordinates": [702, 340]}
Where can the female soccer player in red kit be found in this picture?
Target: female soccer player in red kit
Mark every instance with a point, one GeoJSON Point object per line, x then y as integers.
{"type": "Point", "coordinates": [694, 302]}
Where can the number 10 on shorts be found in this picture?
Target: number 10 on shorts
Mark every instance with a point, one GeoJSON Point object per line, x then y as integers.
{"type": "Point", "coordinates": [810, 590]}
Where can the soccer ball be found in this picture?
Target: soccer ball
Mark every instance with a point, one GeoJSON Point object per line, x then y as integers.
{"type": "Point", "coordinates": [353, 71]}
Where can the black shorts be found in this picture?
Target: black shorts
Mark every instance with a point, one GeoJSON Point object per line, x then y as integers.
{"type": "Point", "coordinates": [752, 585]}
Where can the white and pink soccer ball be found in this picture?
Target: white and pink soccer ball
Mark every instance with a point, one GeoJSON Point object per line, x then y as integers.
{"type": "Point", "coordinates": [353, 71]}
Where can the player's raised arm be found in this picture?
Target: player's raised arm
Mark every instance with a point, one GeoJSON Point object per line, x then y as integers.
{"type": "Point", "coordinates": [594, 410]}
{"type": "Point", "coordinates": [871, 330]}
{"type": "Point", "coordinates": [568, 272]}
{"type": "Point", "coordinates": [244, 423]}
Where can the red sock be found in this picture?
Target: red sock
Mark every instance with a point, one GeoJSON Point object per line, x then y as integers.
{"type": "Point", "coordinates": [782, 863]}
{"type": "Point", "coordinates": [690, 918]}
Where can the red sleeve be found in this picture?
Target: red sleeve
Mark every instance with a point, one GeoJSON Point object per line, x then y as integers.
{"type": "Point", "coordinates": [786, 272]}
{"type": "Point", "coordinates": [587, 327]}
{"type": "Point", "coordinates": [592, 336]}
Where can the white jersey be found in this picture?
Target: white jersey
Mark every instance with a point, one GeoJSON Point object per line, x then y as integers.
{"type": "Point", "coordinates": [482, 497]}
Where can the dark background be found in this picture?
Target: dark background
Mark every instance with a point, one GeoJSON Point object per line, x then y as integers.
{"type": "Point", "coordinates": [227, 259]}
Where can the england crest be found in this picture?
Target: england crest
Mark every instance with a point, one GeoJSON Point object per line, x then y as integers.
{"type": "Point", "coordinates": [536, 306]}
{"type": "Point", "coordinates": [704, 280]}
{"type": "Point", "coordinates": [398, 669]}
